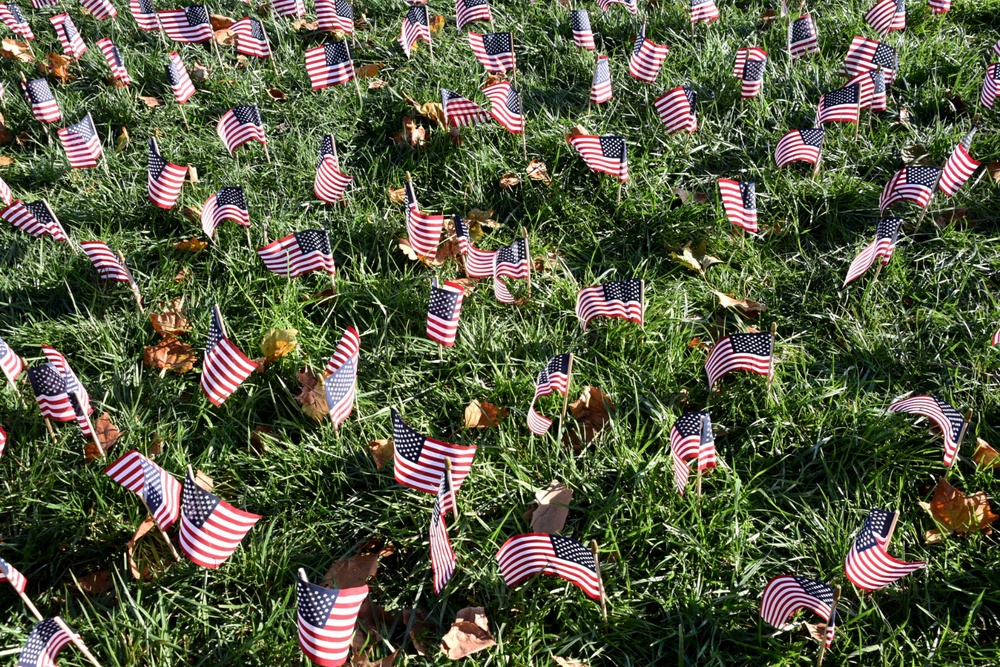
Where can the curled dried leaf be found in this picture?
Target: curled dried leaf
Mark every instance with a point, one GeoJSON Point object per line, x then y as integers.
{"type": "Point", "coordinates": [277, 94]}
{"type": "Point", "coordinates": [412, 134]}
{"type": "Point", "coordinates": [377, 83]}
{"type": "Point", "coordinates": [144, 574]}
{"type": "Point", "coordinates": [748, 307]}
{"type": "Point", "coordinates": [199, 72]}
{"type": "Point", "coordinates": [150, 101]}
{"type": "Point", "coordinates": [985, 456]}
{"type": "Point", "coordinates": [397, 196]}
{"type": "Point", "coordinates": [56, 65]}
{"type": "Point", "coordinates": [483, 415]}
{"type": "Point", "coordinates": [958, 513]}
{"type": "Point", "coordinates": [278, 343]}
{"type": "Point", "coordinates": [369, 70]}
{"type": "Point", "coordinates": [15, 50]}
{"type": "Point", "coordinates": [469, 634]}
{"type": "Point", "coordinates": [171, 355]}
{"type": "Point", "coordinates": [106, 433]}
{"type": "Point", "coordinates": [437, 22]}
{"type": "Point", "coordinates": [311, 397]}
{"type": "Point", "coordinates": [537, 171]}
{"type": "Point", "coordinates": [382, 452]}
{"type": "Point", "coordinates": [170, 322]}
{"type": "Point", "coordinates": [95, 583]}
{"type": "Point", "coordinates": [509, 181]}
{"type": "Point", "coordinates": [220, 22]}
{"type": "Point", "coordinates": [548, 514]}
{"type": "Point", "coordinates": [192, 245]}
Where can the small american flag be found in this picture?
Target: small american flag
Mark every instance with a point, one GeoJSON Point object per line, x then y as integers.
{"type": "Point", "coordinates": [494, 50]}
{"type": "Point", "coordinates": [39, 4]}
{"type": "Point", "coordinates": [10, 363]}
{"type": "Point", "coordinates": [839, 106]}
{"type": "Point", "coordinates": [618, 298]}
{"type": "Point", "coordinates": [753, 352]}
{"type": "Point", "coordinates": [803, 39]}
{"type": "Point", "coordinates": [887, 16]}
{"type": "Point", "coordinates": [443, 312]}
{"type": "Point", "coordinates": [422, 229]}
{"type": "Point", "coordinates": [959, 167]}
{"type": "Point", "coordinates": [868, 54]}
{"type": "Point", "coordinates": [691, 438]}
{"type": "Point", "coordinates": [788, 594]}
{"type": "Point", "coordinates": [45, 642]}
{"type": "Point", "coordinates": [229, 203]}
{"type": "Point", "coordinates": [114, 58]}
{"type": "Point", "coordinates": [329, 64]}
{"type": "Point", "coordinates": [3, 445]}
{"type": "Point", "coordinates": [108, 266]}
{"type": "Point", "coordinates": [939, 6]}
{"type": "Point", "coordinates": [326, 620]}
{"type": "Point", "coordinates": [225, 366]}
{"type": "Point", "coordinates": [43, 102]}
{"type": "Point", "coordinates": [988, 95]}
{"type": "Point", "coordinates": [240, 125]}
{"type": "Point", "coordinates": [460, 111]}
{"type": "Point", "coordinates": [335, 15]}
{"type": "Point", "coordinates": [187, 25]}
{"type": "Point", "coordinates": [340, 386]}
{"type": "Point", "coordinates": [330, 182]}
{"type": "Point", "coordinates": [511, 261]}
{"type": "Point", "coordinates": [881, 248]}
{"type": "Point", "coordinates": [869, 565]}
{"type": "Point", "coordinates": [478, 263]}
{"type": "Point", "coordinates": [915, 184]}
{"type": "Point", "coordinates": [704, 11]}
{"type": "Point", "coordinates": [10, 574]}
{"type": "Point", "coordinates": [744, 54]}
{"type": "Point", "coordinates": [583, 36]}
{"type": "Point", "coordinates": [948, 419]}
{"type": "Point", "coordinates": [415, 27]}
{"type": "Point", "coordinates": [165, 179]}
{"type": "Point", "coordinates": [739, 199]}
{"type": "Point", "coordinates": [6, 194]}
{"type": "Point", "coordinates": [77, 395]}
{"type": "Point", "coordinates": [523, 556]}
{"type": "Point", "coordinates": [52, 394]}
{"type": "Point", "coordinates": [101, 9]}
{"type": "Point", "coordinates": [470, 11]}
{"type": "Point", "coordinates": [752, 76]}
{"type": "Point", "coordinates": [159, 490]}
{"type": "Point", "coordinates": [630, 5]}
{"type": "Point", "coordinates": [647, 57]}
{"type": "Point", "coordinates": [250, 38]}
{"type": "Point", "coordinates": [299, 253]}
{"type": "Point", "coordinates": [289, 8]}
{"type": "Point", "coordinates": [178, 78]}
{"type": "Point", "coordinates": [554, 378]}
{"type": "Point", "coordinates": [600, 89]}
{"type": "Point", "coordinates": [69, 36]}
{"type": "Point", "coordinates": [867, 83]}
{"type": "Point", "coordinates": [800, 146]}
{"type": "Point", "coordinates": [442, 556]}
{"type": "Point", "coordinates": [606, 155]}
{"type": "Point", "coordinates": [419, 461]}
{"type": "Point", "coordinates": [81, 143]}
{"type": "Point", "coordinates": [144, 14]}
{"type": "Point", "coordinates": [211, 529]}
{"type": "Point", "coordinates": [505, 106]}
{"type": "Point", "coordinates": [12, 15]}
{"type": "Point", "coordinates": [36, 218]}
{"type": "Point", "coordinates": [677, 111]}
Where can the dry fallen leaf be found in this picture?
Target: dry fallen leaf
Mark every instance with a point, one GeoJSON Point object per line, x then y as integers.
{"type": "Point", "coordinates": [697, 343]}
{"type": "Point", "coordinates": [407, 248]}
{"type": "Point", "coordinates": [106, 433]}
{"type": "Point", "coordinates": [695, 258]}
{"type": "Point", "coordinates": [155, 448]}
{"type": "Point", "coordinates": [493, 79]}
{"type": "Point", "coordinates": [146, 526]}
{"type": "Point", "coordinates": [436, 24]}
{"type": "Point", "coordinates": [576, 131]}
{"type": "Point", "coordinates": [57, 66]}
{"type": "Point", "coordinates": [748, 307]}
{"type": "Point", "coordinates": [469, 634]}
{"type": "Point", "coordinates": [220, 22]}
{"type": "Point", "coordinates": [993, 168]}
{"type": "Point", "coordinates": [469, 284]}
{"type": "Point", "coordinates": [368, 70]}
{"type": "Point", "coordinates": [537, 171]}
{"type": "Point", "coordinates": [225, 37]}
{"type": "Point", "coordinates": [170, 322]}
{"type": "Point", "coordinates": [593, 411]}
{"type": "Point", "coordinates": [958, 513]}
{"type": "Point", "coordinates": [509, 181]}
{"type": "Point", "coordinates": [311, 396]}
{"type": "Point", "coordinates": [170, 354]}
{"type": "Point", "coordinates": [95, 583]}
{"type": "Point", "coordinates": [548, 514]}
{"type": "Point", "coordinates": [15, 50]}
{"type": "Point", "coordinates": [278, 343]}
{"type": "Point", "coordinates": [483, 415]}
{"type": "Point", "coordinates": [377, 83]}
{"type": "Point", "coordinates": [547, 262]}
{"type": "Point", "coordinates": [431, 110]}
{"type": "Point", "coordinates": [242, 62]}
{"type": "Point", "coordinates": [277, 94]}
{"type": "Point", "coordinates": [563, 662]}
{"type": "Point", "coordinates": [816, 630]}
{"type": "Point", "coordinates": [412, 134]}
{"type": "Point", "coordinates": [150, 101]}
{"type": "Point", "coordinates": [688, 197]}
{"type": "Point", "coordinates": [768, 16]}
{"type": "Point", "coordinates": [6, 161]}
{"type": "Point", "coordinates": [985, 456]}
{"type": "Point", "coordinates": [916, 154]}
{"type": "Point", "coordinates": [199, 72]}
{"type": "Point", "coordinates": [397, 196]}
{"type": "Point", "coordinates": [353, 571]}
{"type": "Point", "coordinates": [192, 245]}
{"type": "Point", "coordinates": [382, 452]}
{"type": "Point", "coordinates": [300, 25]}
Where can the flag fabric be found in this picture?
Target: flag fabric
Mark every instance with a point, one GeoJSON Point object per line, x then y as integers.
{"type": "Point", "coordinates": [11, 14]}
{"type": "Point", "coordinates": [326, 619]}
{"type": "Point", "coordinates": [250, 38]}
{"type": "Point", "coordinates": [44, 644]}
{"type": "Point", "coordinates": [939, 6]}
{"type": "Point", "coordinates": [299, 253]}
{"type": "Point", "coordinates": [229, 203]}
{"type": "Point", "coordinates": [677, 111]}
{"type": "Point", "coordinates": [419, 461]}
{"type": "Point", "coordinates": [211, 529]}
{"type": "Point", "coordinates": [959, 167]}
{"type": "Point", "coordinates": [494, 50]}
{"type": "Point", "coordinates": [144, 14]}
{"type": "Point", "coordinates": [335, 15]}
{"type": "Point", "coordinates": [523, 556]}
{"type": "Point", "coordinates": [159, 490]}
{"type": "Point", "coordinates": [340, 386]}
{"type": "Point", "coordinates": [881, 248]}
{"type": "Point", "coordinates": [3, 445]}
{"type": "Point", "coordinates": [225, 367]}
{"type": "Point", "coordinates": [630, 5]}
{"type": "Point", "coordinates": [914, 183]}
{"type": "Point", "coordinates": [186, 25]}
{"type": "Point", "coordinates": [114, 58]}
{"type": "Point", "coordinates": [617, 298]}
{"type": "Point", "coordinates": [800, 146]}
{"type": "Point", "coordinates": [871, 88]}
{"type": "Point", "coordinates": [839, 106]}
{"type": "Point", "coordinates": [76, 394]}
{"type": "Point", "coordinates": [443, 313]}
{"type": "Point", "coordinates": [869, 565]}
{"type": "Point", "coordinates": [461, 112]}
{"type": "Point", "coordinates": [752, 74]}
{"type": "Point", "coordinates": [54, 397]}
{"type": "Point", "coordinates": [40, 4]}
{"type": "Point", "coordinates": [511, 261]}
{"type": "Point", "coordinates": [178, 78]}
{"type": "Point", "coordinates": [330, 64]}
{"type": "Point", "coordinates": [704, 11]}
{"type": "Point", "coordinates": [108, 266]}
{"type": "Point", "coordinates": [416, 27]}
{"type": "Point", "coordinates": [887, 16]}
{"type": "Point", "coordinates": [803, 39]}
{"type": "Point", "coordinates": [478, 263]}
{"type": "Point", "coordinates": [10, 363]}
{"type": "Point", "coordinates": [165, 179]}
{"type": "Point", "coordinates": [240, 125]}
{"type": "Point", "coordinates": [950, 421]}
{"type": "Point", "coordinates": [600, 89]}
{"type": "Point", "coordinates": [739, 199]}
{"type": "Point", "coordinates": [81, 143]}
{"type": "Point", "coordinates": [583, 36]}
{"type": "Point", "coordinates": [35, 217]}
{"type": "Point", "coordinates": [752, 352]}
{"type": "Point", "coordinates": [996, 338]}
{"type": "Point", "coordinates": [43, 102]}
{"type": "Point", "coordinates": [606, 155]}
{"type": "Point", "coordinates": [290, 8]}
{"type": "Point", "coordinates": [989, 92]}
{"type": "Point", "coordinates": [470, 11]}
{"type": "Point", "coordinates": [647, 58]}
{"type": "Point", "coordinates": [744, 54]}
{"type": "Point", "coordinates": [553, 378]}
{"type": "Point", "coordinates": [330, 182]}
{"type": "Point", "coordinates": [789, 594]}
{"type": "Point", "coordinates": [691, 437]}
{"type": "Point", "coordinates": [868, 54]}
{"type": "Point", "coordinates": [100, 9]}
{"type": "Point", "coordinates": [69, 36]}
{"type": "Point", "coordinates": [6, 194]}
{"type": "Point", "coordinates": [442, 556]}
{"type": "Point", "coordinates": [422, 229]}
{"type": "Point", "coordinates": [10, 574]}
{"type": "Point", "coordinates": [505, 106]}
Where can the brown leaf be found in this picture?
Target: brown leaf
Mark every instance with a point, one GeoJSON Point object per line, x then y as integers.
{"type": "Point", "coordinates": [537, 171]}
{"type": "Point", "coordinates": [368, 70]}
{"type": "Point", "coordinates": [957, 513]}
{"type": "Point", "coordinates": [592, 410]}
{"type": "Point", "coordinates": [95, 583]}
{"type": "Point", "coordinates": [353, 571]}
{"type": "Point", "coordinates": [431, 110]}
{"type": "Point", "coordinates": [277, 94]}
{"type": "Point", "coordinates": [144, 527]}
{"type": "Point", "coordinates": [150, 101]}
{"type": "Point", "coordinates": [311, 396]}
{"type": "Point", "coordinates": [193, 244]}
{"type": "Point", "coordinates": [477, 218]}
{"type": "Point", "coordinates": [220, 22]}
{"type": "Point", "coordinates": [436, 24]}
{"type": "Point", "coordinates": [155, 448]}
{"type": "Point", "coordinates": [397, 196]}
{"type": "Point", "coordinates": [242, 62]}
{"type": "Point", "coordinates": [382, 451]}
{"type": "Point", "coordinates": [468, 283]}
{"type": "Point", "coordinates": [301, 25]}
{"type": "Point", "coordinates": [106, 432]}
{"type": "Point", "coordinates": [199, 72]}
{"type": "Point", "coordinates": [225, 37]}
{"type": "Point", "coordinates": [768, 16]}
{"type": "Point", "coordinates": [748, 307]}
{"type": "Point", "coordinates": [695, 258]}
{"type": "Point", "coordinates": [203, 480]}
{"type": "Point", "coordinates": [493, 79]}
{"type": "Point", "coordinates": [182, 275]}
{"type": "Point", "coordinates": [509, 181]}
{"type": "Point", "coordinates": [985, 456]}
{"type": "Point", "coordinates": [916, 154]}
{"type": "Point", "coordinates": [170, 322]}
{"type": "Point", "coordinates": [5, 135]}
{"type": "Point", "coordinates": [412, 134]}
{"type": "Point", "coordinates": [483, 415]}
{"type": "Point", "coordinates": [278, 343]}
{"type": "Point", "coordinates": [377, 83]}
{"type": "Point", "coordinates": [6, 161]}
{"type": "Point", "coordinates": [170, 354]}
{"type": "Point", "coordinates": [993, 168]}
{"type": "Point", "coordinates": [576, 131]}
{"type": "Point", "coordinates": [548, 514]}
{"type": "Point", "coordinates": [469, 634]}
{"type": "Point", "coordinates": [57, 66]}
{"type": "Point", "coordinates": [697, 343]}
{"type": "Point", "coordinates": [816, 630]}
{"type": "Point", "coordinates": [564, 662]}
{"type": "Point", "coordinates": [362, 22]}
{"type": "Point", "coordinates": [15, 50]}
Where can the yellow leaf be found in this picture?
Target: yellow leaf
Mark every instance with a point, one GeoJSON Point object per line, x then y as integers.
{"type": "Point", "coordinates": [369, 70]}
{"type": "Point", "coordinates": [123, 140]}
{"type": "Point", "coordinates": [278, 343]}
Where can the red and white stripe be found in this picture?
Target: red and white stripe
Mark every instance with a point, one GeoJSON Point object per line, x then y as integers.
{"type": "Point", "coordinates": [600, 88]}
{"type": "Point", "coordinates": [17, 27]}
{"type": "Point", "coordinates": [248, 43]}
{"type": "Point", "coordinates": [82, 152]}
{"type": "Point", "coordinates": [225, 369]}
{"type": "Point", "coordinates": [989, 92]}
{"type": "Point", "coordinates": [723, 359]}
{"type": "Point", "coordinates": [592, 153]}
{"type": "Point", "coordinates": [328, 645]}
{"type": "Point", "coordinates": [996, 338]}
{"type": "Point", "coordinates": [177, 25]}
{"type": "Point", "coordinates": [746, 53]}
{"type": "Point", "coordinates": [330, 182]}
{"type": "Point", "coordinates": [322, 75]}
{"type": "Point", "coordinates": [957, 170]}
{"type": "Point", "coordinates": [683, 450]}
{"type": "Point", "coordinates": [211, 544]}
{"type": "Point", "coordinates": [101, 9]}
{"type": "Point", "coordinates": [501, 95]}
{"type": "Point", "coordinates": [647, 58]}
{"type": "Point", "coordinates": [349, 349]}
{"type": "Point", "coordinates": [330, 20]}
{"type": "Point", "coordinates": [18, 215]}
{"type": "Point", "coordinates": [80, 392]}
{"type": "Point", "coordinates": [443, 331]}
{"type": "Point", "coordinates": [591, 303]}
{"type": "Point", "coordinates": [234, 133]}
{"type": "Point", "coordinates": [422, 229]}
{"type": "Point", "coordinates": [10, 363]}
{"type": "Point", "coordinates": [460, 111]}
{"type": "Point", "coordinates": [128, 472]}
{"type": "Point", "coordinates": [165, 188]}
{"type": "Point", "coordinates": [784, 596]}
{"type": "Point", "coordinates": [107, 264]}
{"type": "Point", "coordinates": [496, 63]}
{"type": "Point", "coordinates": [675, 111]}
{"type": "Point", "coordinates": [884, 17]}
{"type": "Point", "coordinates": [897, 189]}
{"type": "Point", "coordinates": [289, 8]}
{"type": "Point", "coordinates": [732, 202]}
{"type": "Point", "coordinates": [285, 257]}
{"type": "Point", "coordinates": [939, 6]}
{"type": "Point", "coordinates": [877, 249]}
{"type": "Point", "coordinates": [213, 215]}
{"type": "Point", "coordinates": [442, 555]}
{"type": "Point", "coordinates": [860, 55]}
{"type": "Point", "coordinates": [411, 32]}
{"type": "Point", "coordinates": [113, 57]}
{"type": "Point", "coordinates": [704, 12]}
{"type": "Point", "coordinates": [523, 556]}
{"type": "Point", "coordinates": [10, 574]}
{"type": "Point", "coordinates": [791, 148]}
{"type": "Point", "coordinates": [927, 406]}
{"type": "Point", "coordinates": [6, 194]}
{"type": "Point", "coordinates": [426, 474]}
{"type": "Point", "coordinates": [874, 568]}
{"type": "Point", "coordinates": [72, 44]}
{"type": "Point", "coordinates": [183, 88]}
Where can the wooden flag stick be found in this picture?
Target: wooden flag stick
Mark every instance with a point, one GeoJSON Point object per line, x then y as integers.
{"type": "Point", "coordinates": [31, 606]}
{"type": "Point", "coordinates": [937, 183]}
{"type": "Point", "coordinates": [831, 619]}
{"type": "Point", "coordinates": [166, 538]}
{"type": "Point", "coordinates": [524, 130]}
{"type": "Point", "coordinates": [770, 369]}
{"type": "Point", "coordinates": [132, 284]}
{"type": "Point", "coordinates": [270, 51]}
{"type": "Point", "coordinates": [77, 641]}
{"type": "Point", "coordinates": [892, 528]}
{"type": "Point", "coordinates": [302, 575]}
{"type": "Point", "coordinates": [52, 431]}
{"type": "Point", "coordinates": [704, 423]}
{"type": "Point", "coordinates": [16, 390]}
{"type": "Point", "coordinates": [527, 254]}
{"type": "Point", "coordinates": [215, 44]}
{"type": "Point", "coordinates": [819, 157]}
{"type": "Point", "coordinates": [600, 581]}
{"type": "Point", "coordinates": [961, 434]}
{"type": "Point", "coordinates": [451, 485]}
{"type": "Point", "coordinates": [163, 33]}
{"type": "Point", "coordinates": [569, 378]}
{"type": "Point", "coordinates": [93, 431]}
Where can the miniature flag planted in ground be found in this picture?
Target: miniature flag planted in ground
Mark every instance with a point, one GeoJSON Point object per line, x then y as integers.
{"type": "Point", "coordinates": [250, 38]}
{"type": "Point", "coordinates": [420, 461]}
{"type": "Point", "coordinates": [676, 109]}
{"type": "Point", "coordinates": [914, 183]}
{"type": "Point", "coordinates": [523, 556]}
{"type": "Point", "coordinates": [10, 363]}
{"type": "Point", "coordinates": [299, 253]}
{"type": "Point", "coordinates": [704, 11]}
{"type": "Point", "coordinates": [3, 443]}
{"type": "Point", "coordinates": [887, 16]}
{"type": "Point", "coordinates": [869, 565]}
{"type": "Point", "coordinates": [752, 352]}
{"type": "Point", "coordinates": [494, 50]}
{"type": "Point", "coordinates": [326, 620]}
{"type": "Point", "coordinates": [478, 263]}
{"type": "Point", "coordinates": [177, 77]}
{"type": "Point", "coordinates": [144, 14]}
{"type": "Point", "coordinates": [749, 69]}
{"type": "Point", "coordinates": [865, 55]}
{"type": "Point", "coordinates": [114, 58]}
{"type": "Point", "coordinates": [69, 36]}
{"type": "Point", "coordinates": [460, 111]}
{"type": "Point", "coordinates": [583, 36]}
{"type": "Point", "coordinates": [442, 556]}
{"type": "Point", "coordinates": [881, 248]}
{"type": "Point", "coordinates": [240, 125]}
{"type": "Point", "coordinates": [606, 155]}
{"type": "Point", "coordinates": [330, 182]}
{"type": "Point", "coordinates": [423, 230]}
{"type": "Point", "coordinates": [108, 265]}
{"type": "Point", "coordinates": [443, 312]}
{"type": "Point", "coordinates": [939, 6]}
{"type": "Point", "coordinates": [871, 86]}
{"type": "Point", "coordinates": [81, 143]}
{"type": "Point", "coordinates": [44, 643]}
{"type": "Point", "coordinates": [101, 9]}
{"type": "Point", "coordinates": [989, 93]}
{"type": "Point", "coordinates": [290, 8]}
{"type": "Point", "coordinates": [839, 106]}
{"type": "Point", "coordinates": [42, 101]}
{"type": "Point", "coordinates": [78, 398]}
{"type": "Point", "coordinates": [6, 195]}
{"type": "Point", "coordinates": [617, 298]}
{"type": "Point", "coordinates": [959, 167]}
{"type": "Point", "coordinates": [54, 399]}
{"type": "Point", "coordinates": [225, 365]}
{"type": "Point", "coordinates": [229, 203]}
{"type": "Point", "coordinates": [800, 146]}
{"type": "Point", "coordinates": [802, 37]}
{"type": "Point", "coordinates": [691, 438]}
{"type": "Point", "coordinates": [34, 217]}
{"type": "Point", "coordinates": [340, 386]}
{"type": "Point", "coordinates": [647, 58]}
{"type": "Point", "coordinates": [416, 27]}
{"type": "Point", "coordinates": [788, 594]}
{"type": "Point", "coordinates": [164, 178]}
{"type": "Point", "coordinates": [211, 529]}
{"type": "Point", "coordinates": [10, 574]}
{"type": "Point", "coordinates": [13, 17]}
{"type": "Point", "coordinates": [330, 64]}
{"type": "Point", "coordinates": [505, 106]}
{"type": "Point", "coordinates": [160, 492]}
{"type": "Point", "coordinates": [186, 25]}
{"type": "Point", "coordinates": [470, 11]}
{"type": "Point", "coordinates": [600, 89]}
{"type": "Point", "coordinates": [554, 378]}
{"type": "Point", "coordinates": [951, 422]}
{"type": "Point", "coordinates": [510, 261]}
{"type": "Point", "coordinates": [630, 5]}
{"type": "Point", "coordinates": [332, 15]}
{"type": "Point", "coordinates": [740, 203]}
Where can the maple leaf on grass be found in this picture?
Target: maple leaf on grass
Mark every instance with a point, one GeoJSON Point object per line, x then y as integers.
{"type": "Point", "coordinates": [311, 396]}
{"type": "Point", "coordinates": [382, 451]}
{"type": "Point", "coordinates": [550, 509]}
{"type": "Point", "coordinates": [483, 415]}
{"type": "Point", "coordinates": [170, 322]}
{"type": "Point", "coordinates": [170, 354]}
{"type": "Point", "coordinates": [748, 307]}
{"type": "Point", "coordinates": [985, 456]}
{"type": "Point", "coordinates": [278, 343]}
{"type": "Point", "coordinates": [696, 259]}
{"type": "Point", "coordinates": [958, 513]}
{"type": "Point", "coordinates": [469, 634]}
{"type": "Point", "coordinates": [106, 433]}
{"type": "Point", "coordinates": [593, 412]}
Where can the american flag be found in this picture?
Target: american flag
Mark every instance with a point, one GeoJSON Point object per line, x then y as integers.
{"type": "Point", "coordinates": [630, 5]}
{"type": "Point", "coordinates": [505, 106]}
{"type": "Point", "coordinates": [691, 437]}
{"type": "Point", "coordinates": [187, 25]}
{"type": "Point", "coordinates": [948, 419]}
{"type": "Point", "coordinates": [881, 248]}
{"type": "Point", "coordinates": [3, 445]}
{"type": "Point", "coordinates": [744, 54]}
{"type": "Point", "coordinates": [178, 78]}
{"type": "Point", "coordinates": [6, 194]}
{"type": "Point", "coordinates": [583, 36]}
{"type": "Point", "coordinates": [739, 199]}
{"type": "Point", "coordinates": [460, 111]}
{"type": "Point", "coordinates": [676, 109]}
{"type": "Point", "coordinates": [115, 62]}
{"type": "Point", "coordinates": [326, 620]}
{"type": "Point", "coordinates": [69, 36]}
{"type": "Point", "coordinates": [420, 461]}
{"type": "Point", "coordinates": [939, 6]}
{"type": "Point", "coordinates": [330, 182]}
{"type": "Point", "coordinates": [869, 565]}
{"type": "Point", "coordinates": [101, 9]}
{"type": "Point", "coordinates": [647, 57]}
{"type": "Point", "coordinates": [39, 4]}
{"type": "Point", "coordinates": [443, 312]}
{"type": "Point", "coordinates": [415, 27]}
{"type": "Point", "coordinates": [349, 347]}
{"type": "Point", "coordinates": [159, 490]}
{"type": "Point", "coordinates": [442, 556]}
{"type": "Point", "coordinates": [996, 338]}
{"type": "Point", "coordinates": [789, 594]}
{"type": "Point", "coordinates": [43, 102]}
{"type": "Point", "coordinates": [340, 387]}
{"type": "Point", "coordinates": [211, 529]}
{"type": "Point", "coordinates": [77, 395]}
{"type": "Point", "coordinates": [600, 89]}
{"type": "Point", "coordinates": [989, 93]}
{"type": "Point", "coordinates": [144, 14]}
{"type": "Point", "coordinates": [751, 352]}
{"type": "Point", "coordinates": [250, 38]}
{"type": "Point", "coordinates": [478, 263]}
{"type": "Point", "coordinates": [867, 83]}
{"type": "Point", "coordinates": [10, 363]}
{"type": "Point", "coordinates": [329, 64]}
{"type": "Point", "coordinates": [164, 178]}
{"type": "Point", "coordinates": [868, 54]}
{"type": "Point", "coordinates": [494, 50]}
{"type": "Point", "coordinates": [289, 8]}
{"type": "Point", "coordinates": [335, 15]}
{"type": "Point", "coordinates": [10, 574]}
{"type": "Point", "coordinates": [887, 16]}
{"type": "Point", "coordinates": [800, 146]}
{"type": "Point", "coordinates": [45, 642]}
{"type": "Point", "coordinates": [36, 218]}
{"type": "Point", "coordinates": [229, 203]}
{"type": "Point", "coordinates": [915, 184]}
{"type": "Point", "coordinates": [959, 167]}
{"type": "Point", "coordinates": [523, 556]}
{"type": "Point", "coordinates": [511, 261]}
{"type": "Point", "coordinates": [12, 15]}
{"type": "Point", "coordinates": [53, 395]}
{"type": "Point", "coordinates": [553, 378]}
{"type": "Point", "coordinates": [752, 76]}
{"type": "Point", "coordinates": [704, 11]}
{"type": "Point", "coordinates": [240, 125]}
{"type": "Point", "coordinates": [606, 155]}
{"type": "Point", "coordinates": [108, 266]}
{"type": "Point", "coordinates": [81, 143]}
{"type": "Point", "coordinates": [299, 253]}
{"type": "Point", "coordinates": [839, 106]}
{"type": "Point", "coordinates": [618, 298]}
{"type": "Point", "coordinates": [470, 11]}
{"type": "Point", "coordinates": [422, 229]}
{"type": "Point", "coordinates": [803, 39]}
{"type": "Point", "coordinates": [225, 366]}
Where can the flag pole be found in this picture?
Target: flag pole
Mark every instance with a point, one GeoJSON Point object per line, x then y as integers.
{"type": "Point", "coordinates": [90, 425]}
{"type": "Point", "coordinates": [48, 425]}
{"type": "Point", "coordinates": [937, 184]}
{"type": "Point", "coordinates": [562, 414]}
{"type": "Point", "coordinates": [31, 606]}
{"type": "Point", "coordinates": [270, 51]}
{"type": "Point", "coordinates": [184, 118]}
{"type": "Point", "coordinates": [163, 33]}
{"type": "Point", "coordinates": [698, 462]}
{"type": "Point", "coordinates": [451, 485]}
{"type": "Point", "coordinates": [833, 616]}
{"type": "Point", "coordinates": [524, 130]}
{"type": "Point", "coordinates": [77, 641]}
{"type": "Point", "coordinates": [961, 436]}
{"type": "Point", "coordinates": [595, 549]}
{"type": "Point", "coordinates": [14, 385]}
{"type": "Point", "coordinates": [215, 44]}
{"type": "Point", "coordinates": [135, 288]}
{"type": "Point", "coordinates": [357, 85]}
{"type": "Point", "coordinates": [173, 551]}
{"type": "Point", "coordinates": [770, 368]}
{"type": "Point", "coordinates": [527, 254]}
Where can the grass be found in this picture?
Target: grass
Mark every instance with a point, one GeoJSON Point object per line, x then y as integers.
{"type": "Point", "coordinates": [800, 468]}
